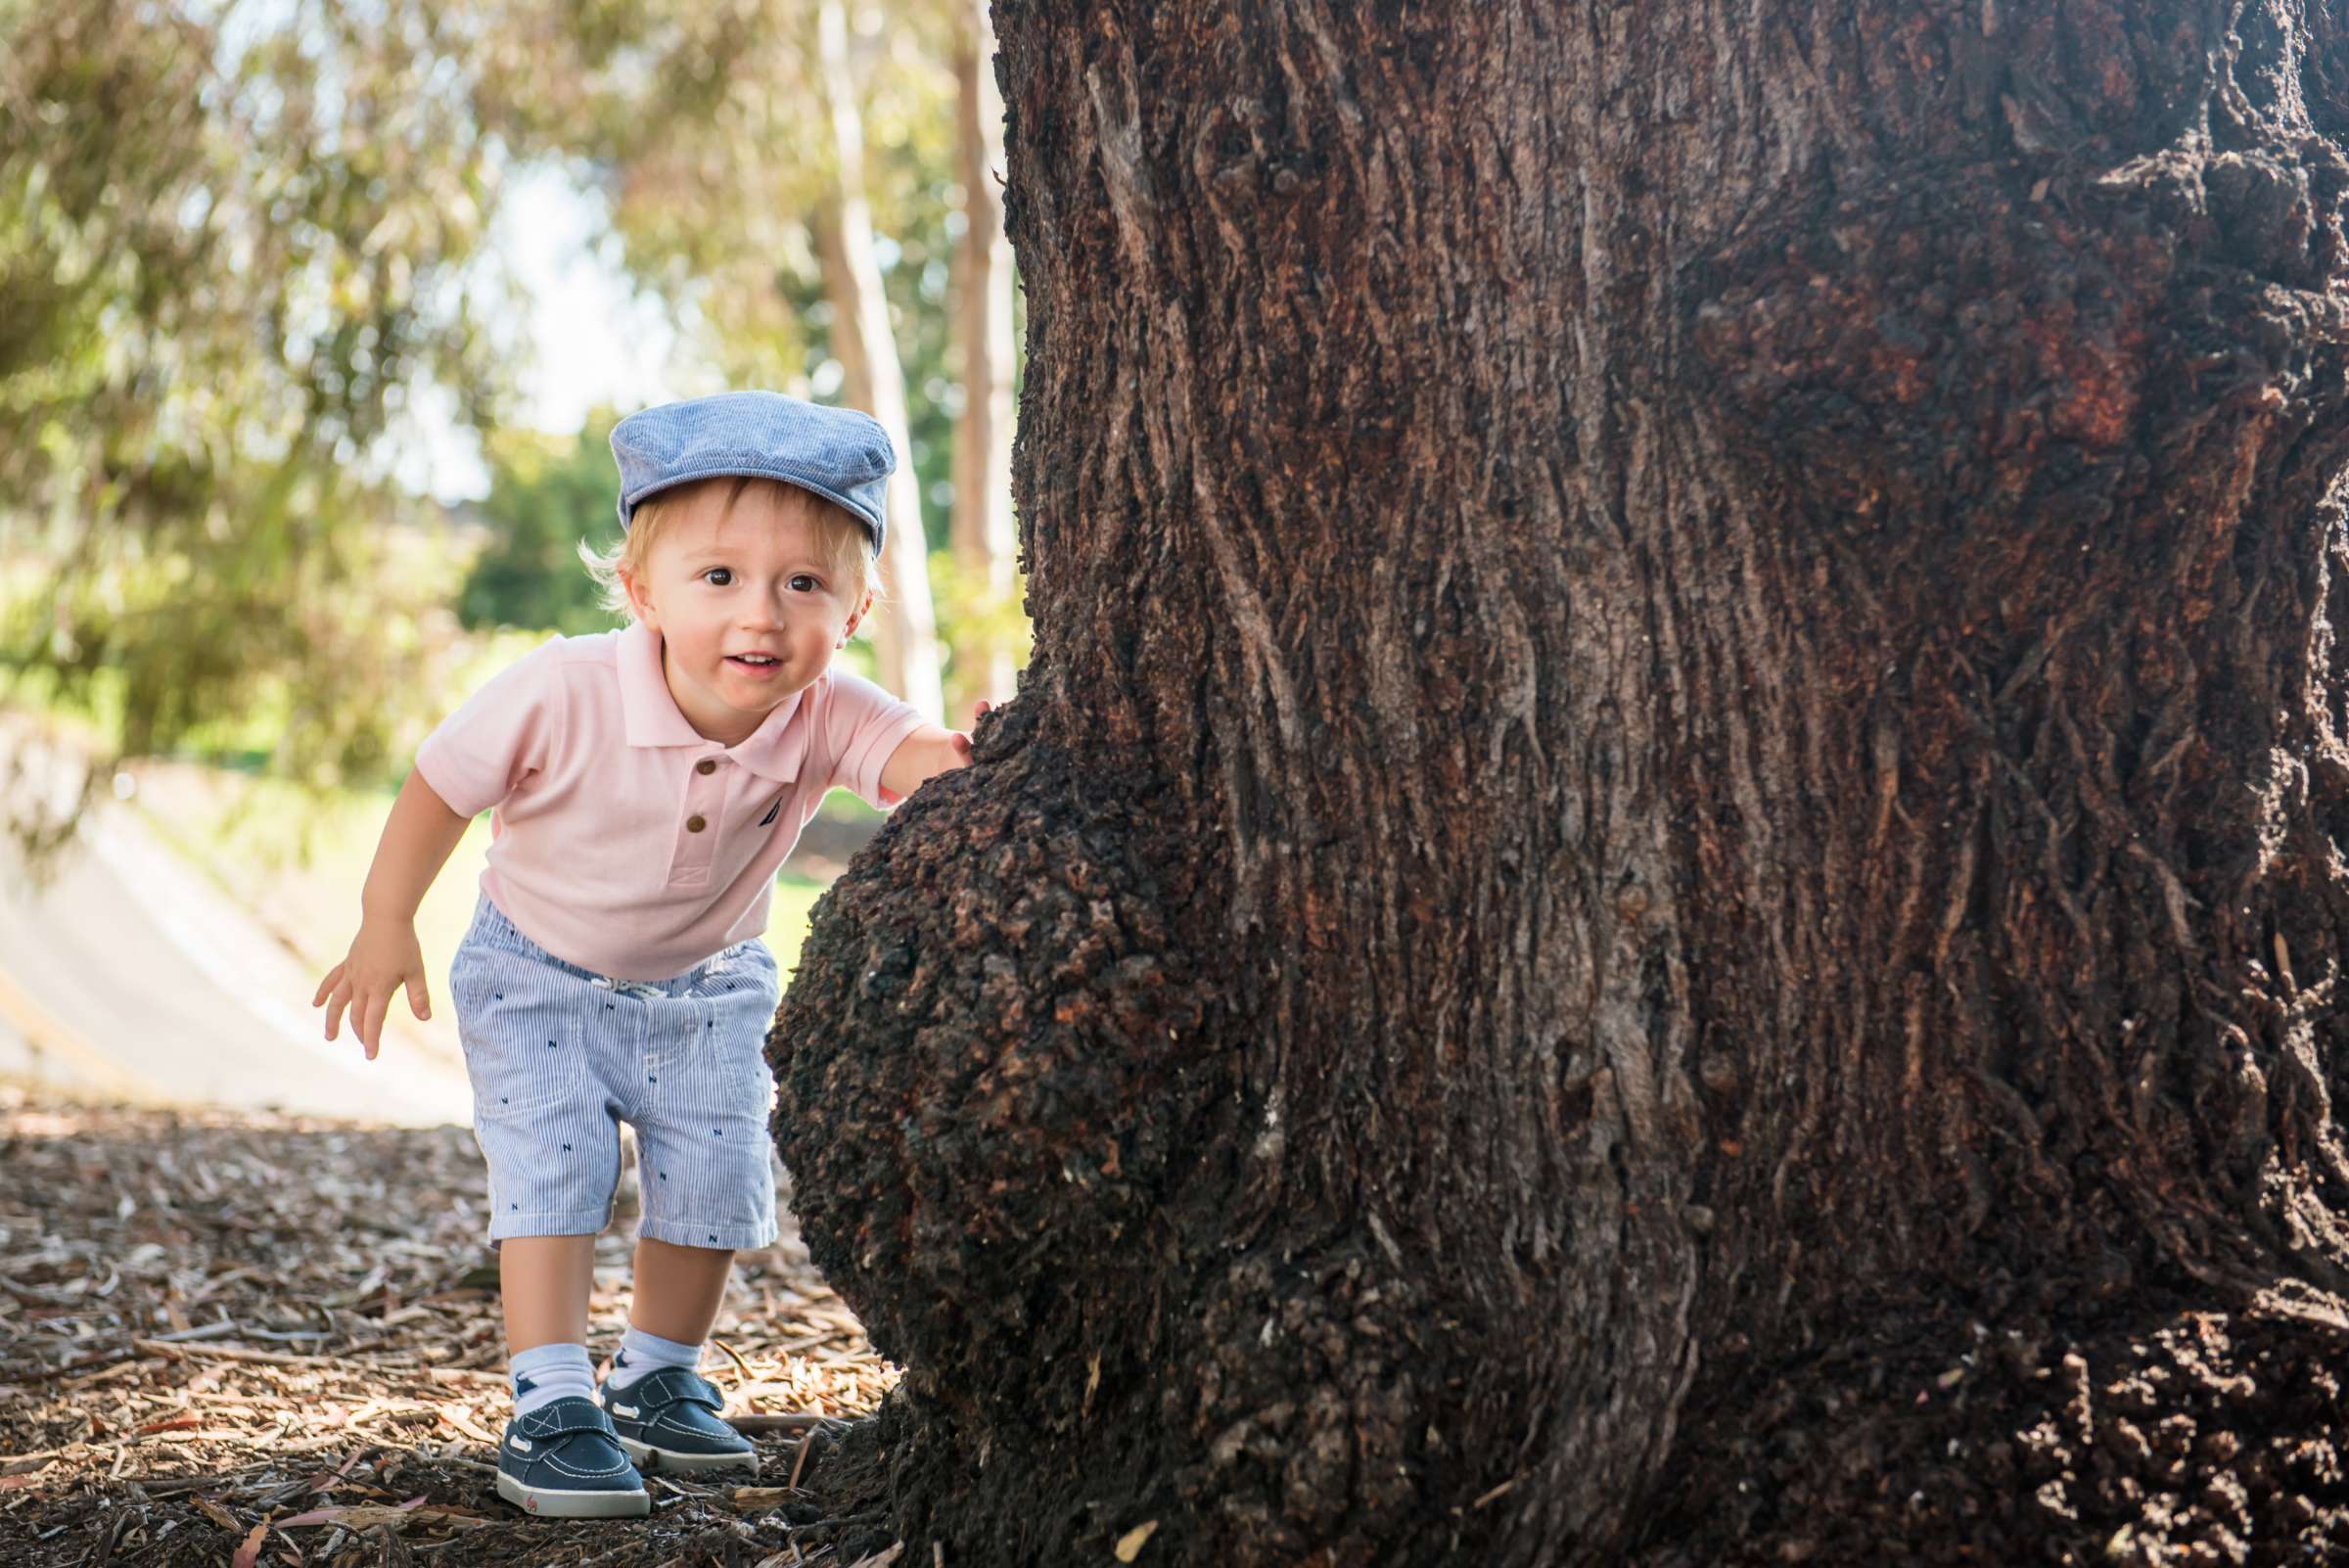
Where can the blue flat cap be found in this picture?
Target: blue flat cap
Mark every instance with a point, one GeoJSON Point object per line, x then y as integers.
{"type": "Point", "coordinates": [841, 454]}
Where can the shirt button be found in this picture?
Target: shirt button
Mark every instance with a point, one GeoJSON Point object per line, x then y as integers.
{"type": "Point", "coordinates": [694, 824]}
{"type": "Point", "coordinates": [708, 764]}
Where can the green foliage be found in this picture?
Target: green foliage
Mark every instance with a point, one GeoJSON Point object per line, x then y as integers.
{"type": "Point", "coordinates": [545, 497]}
{"type": "Point", "coordinates": [238, 241]}
{"type": "Point", "coordinates": [231, 240]}
{"type": "Point", "coordinates": [980, 624]}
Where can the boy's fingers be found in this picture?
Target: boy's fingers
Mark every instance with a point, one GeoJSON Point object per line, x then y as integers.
{"type": "Point", "coordinates": [372, 1034]}
{"type": "Point", "coordinates": [980, 709]}
{"type": "Point", "coordinates": [420, 1000]}
{"type": "Point", "coordinates": [334, 1007]}
{"type": "Point", "coordinates": [327, 984]}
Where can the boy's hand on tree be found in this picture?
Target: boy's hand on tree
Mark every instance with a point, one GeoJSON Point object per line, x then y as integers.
{"type": "Point", "coordinates": [919, 760]}
{"type": "Point", "coordinates": [962, 742]}
{"type": "Point", "coordinates": [383, 957]}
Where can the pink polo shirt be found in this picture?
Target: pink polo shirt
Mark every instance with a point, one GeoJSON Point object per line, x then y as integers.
{"type": "Point", "coordinates": [624, 840]}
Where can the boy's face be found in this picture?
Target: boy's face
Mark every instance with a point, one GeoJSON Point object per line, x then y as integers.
{"type": "Point", "coordinates": [746, 601]}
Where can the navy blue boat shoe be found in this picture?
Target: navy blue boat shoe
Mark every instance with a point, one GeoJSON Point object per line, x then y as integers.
{"type": "Point", "coordinates": [562, 1462]}
{"type": "Point", "coordinates": [667, 1420]}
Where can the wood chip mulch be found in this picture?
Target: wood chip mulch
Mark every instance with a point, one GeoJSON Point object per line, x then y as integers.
{"type": "Point", "coordinates": [255, 1340]}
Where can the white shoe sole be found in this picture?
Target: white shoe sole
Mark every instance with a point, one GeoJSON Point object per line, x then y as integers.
{"type": "Point", "coordinates": [548, 1503]}
{"type": "Point", "coordinates": [669, 1461]}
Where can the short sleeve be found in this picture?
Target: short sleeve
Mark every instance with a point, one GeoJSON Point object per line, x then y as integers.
{"type": "Point", "coordinates": [863, 726]}
{"type": "Point", "coordinates": [500, 736]}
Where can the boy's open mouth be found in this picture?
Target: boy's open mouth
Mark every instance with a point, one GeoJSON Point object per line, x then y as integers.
{"type": "Point", "coordinates": [755, 661]}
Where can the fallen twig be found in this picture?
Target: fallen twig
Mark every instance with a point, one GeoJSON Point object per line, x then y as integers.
{"type": "Point", "coordinates": [753, 1424]}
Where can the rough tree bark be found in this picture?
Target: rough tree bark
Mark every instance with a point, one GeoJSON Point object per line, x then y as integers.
{"type": "Point", "coordinates": [841, 226]}
{"type": "Point", "coordinates": [1668, 886]}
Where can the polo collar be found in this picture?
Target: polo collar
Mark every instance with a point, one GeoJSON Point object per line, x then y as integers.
{"type": "Point", "coordinates": [773, 750]}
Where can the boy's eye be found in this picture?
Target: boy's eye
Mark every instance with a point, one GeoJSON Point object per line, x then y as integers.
{"type": "Point", "coordinates": [803, 584]}
{"type": "Point", "coordinates": [720, 576]}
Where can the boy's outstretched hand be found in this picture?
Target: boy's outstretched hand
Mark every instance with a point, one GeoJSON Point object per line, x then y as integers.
{"type": "Point", "coordinates": [383, 957]}
{"type": "Point", "coordinates": [925, 753]}
{"type": "Point", "coordinates": [962, 739]}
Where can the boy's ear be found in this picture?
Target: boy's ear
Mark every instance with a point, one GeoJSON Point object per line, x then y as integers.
{"type": "Point", "coordinates": [642, 606]}
{"type": "Point", "coordinates": [849, 631]}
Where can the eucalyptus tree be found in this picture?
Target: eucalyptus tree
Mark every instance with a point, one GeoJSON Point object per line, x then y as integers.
{"type": "Point", "coordinates": [230, 240]}
{"type": "Point", "coordinates": [985, 550]}
{"type": "Point", "coordinates": [1669, 886]}
{"type": "Point", "coordinates": [866, 340]}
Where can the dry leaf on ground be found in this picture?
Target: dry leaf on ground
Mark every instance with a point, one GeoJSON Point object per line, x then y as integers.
{"type": "Point", "coordinates": [218, 1327]}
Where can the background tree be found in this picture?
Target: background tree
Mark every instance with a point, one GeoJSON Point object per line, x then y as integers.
{"type": "Point", "coordinates": [546, 494]}
{"type": "Point", "coordinates": [228, 256]}
{"type": "Point", "coordinates": [1667, 883]}
{"type": "Point", "coordinates": [865, 341]}
{"type": "Point", "coordinates": [986, 548]}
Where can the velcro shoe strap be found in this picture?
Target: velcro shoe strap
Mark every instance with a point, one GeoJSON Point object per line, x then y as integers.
{"type": "Point", "coordinates": [563, 1417]}
{"type": "Point", "coordinates": [678, 1384]}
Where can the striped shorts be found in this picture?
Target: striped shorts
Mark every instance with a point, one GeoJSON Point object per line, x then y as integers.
{"type": "Point", "coordinates": [560, 1056]}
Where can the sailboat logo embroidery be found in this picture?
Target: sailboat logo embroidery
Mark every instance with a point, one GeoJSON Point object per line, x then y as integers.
{"type": "Point", "coordinates": [773, 812]}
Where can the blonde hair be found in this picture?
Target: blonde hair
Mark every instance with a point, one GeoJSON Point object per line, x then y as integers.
{"type": "Point", "coordinates": [846, 546]}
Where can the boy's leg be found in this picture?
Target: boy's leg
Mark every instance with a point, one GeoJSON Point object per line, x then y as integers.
{"type": "Point", "coordinates": [532, 1033]}
{"type": "Point", "coordinates": [678, 1289]}
{"type": "Point", "coordinates": [666, 1412]}
{"type": "Point", "coordinates": [559, 1455]}
{"type": "Point", "coordinates": [546, 1282]}
{"type": "Point", "coordinates": [704, 1166]}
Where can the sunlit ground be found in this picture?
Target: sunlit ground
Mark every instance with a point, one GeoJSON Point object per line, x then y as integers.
{"type": "Point", "coordinates": [213, 1323]}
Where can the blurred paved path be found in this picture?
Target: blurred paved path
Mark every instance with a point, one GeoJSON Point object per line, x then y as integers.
{"type": "Point", "coordinates": [129, 975]}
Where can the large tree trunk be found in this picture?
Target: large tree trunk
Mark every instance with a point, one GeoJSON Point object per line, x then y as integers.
{"type": "Point", "coordinates": [985, 546]}
{"type": "Point", "coordinates": [1664, 890]}
{"type": "Point", "coordinates": [873, 379]}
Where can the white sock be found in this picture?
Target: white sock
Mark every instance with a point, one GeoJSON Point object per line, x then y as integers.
{"type": "Point", "coordinates": [545, 1373]}
{"type": "Point", "coordinates": [641, 1352]}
